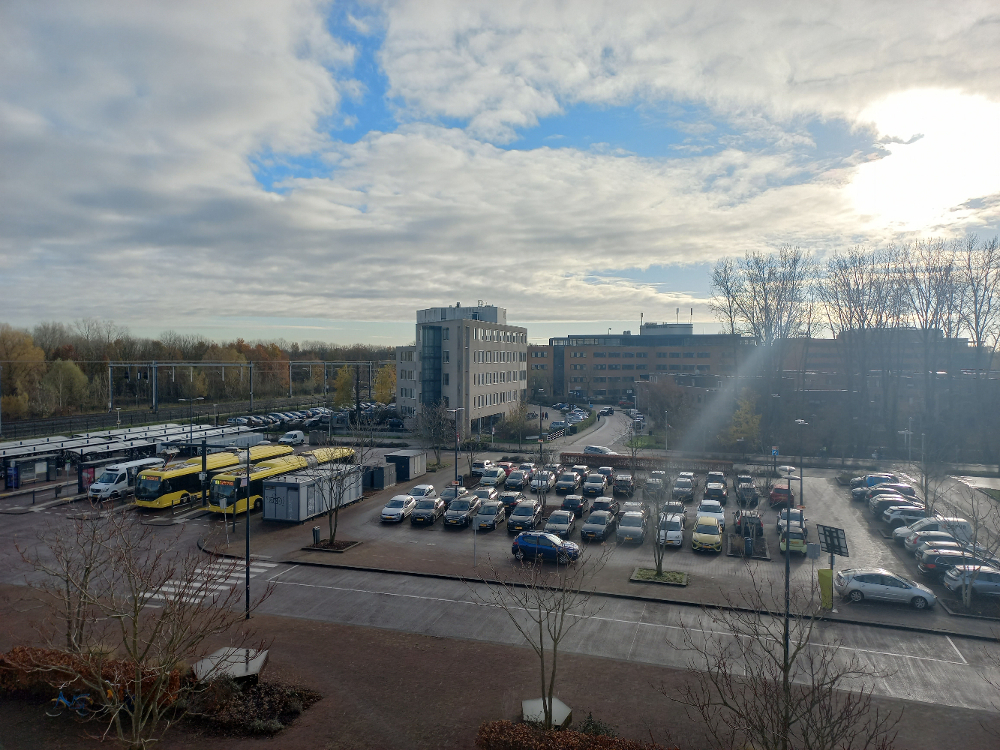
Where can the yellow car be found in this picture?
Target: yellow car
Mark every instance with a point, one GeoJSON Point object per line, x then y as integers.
{"type": "Point", "coordinates": [795, 540]}
{"type": "Point", "coordinates": [707, 534]}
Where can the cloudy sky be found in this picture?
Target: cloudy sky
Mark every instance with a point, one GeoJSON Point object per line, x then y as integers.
{"type": "Point", "coordinates": [320, 170]}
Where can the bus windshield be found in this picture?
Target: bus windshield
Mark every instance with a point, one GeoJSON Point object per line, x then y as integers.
{"type": "Point", "coordinates": [226, 491]}
{"type": "Point", "coordinates": [148, 487]}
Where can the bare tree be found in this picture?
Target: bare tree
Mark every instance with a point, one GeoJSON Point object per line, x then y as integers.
{"type": "Point", "coordinates": [545, 603]}
{"type": "Point", "coordinates": [338, 476]}
{"type": "Point", "coordinates": [154, 607]}
{"type": "Point", "coordinates": [436, 425]}
{"type": "Point", "coordinates": [751, 691]}
{"type": "Point", "coordinates": [657, 499]}
{"type": "Point", "coordinates": [983, 515]}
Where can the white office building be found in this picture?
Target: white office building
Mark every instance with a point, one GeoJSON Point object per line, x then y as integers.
{"type": "Point", "coordinates": [469, 359]}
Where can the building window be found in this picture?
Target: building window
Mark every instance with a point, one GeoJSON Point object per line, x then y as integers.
{"type": "Point", "coordinates": [447, 379]}
{"type": "Point", "coordinates": [578, 355]}
{"type": "Point", "coordinates": [614, 354]}
{"type": "Point", "coordinates": [614, 367]}
{"type": "Point", "coordinates": [675, 355]}
{"type": "Point", "coordinates": [600, 354]}
{"type": "Point", "coordinates": [688, 355]}
{"type": "Point", "coordinates": [704, 355]}
{"type": "Point", "coordinates": [675, 367]}
{"type": "Point", "coordinates": [661, 355]}
{"type": "Point", "coordinates": [640, 367]}
{"type": "Point", "coordinates": [600, 367]}
{"type": "Point", "coordinates": [445, 332]}
{"type": "Point", "coordinates": [578, 380]}
{"type": "Point", "coordinates": [628, 367]}
{"type": "Point", "coordinates": [688, 367]}
{"type": "Point", "coordinates": [704, 368]}
{"type": "Point", "coordinates": [578, 367]}
{"type": "Point", "coordinates": [661, 367]}
{"type": "Point", "coordinates": [641, 355]}
{"type": "Point", "coordinates": [628, 355]}
{"type": "Point", "coordinates": [599, 380]}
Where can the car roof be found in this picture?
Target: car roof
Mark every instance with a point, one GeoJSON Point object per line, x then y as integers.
{"type": "Point", "coordinates": [707, 519]}
{"type": "Point", "coordinates": [630, 514]}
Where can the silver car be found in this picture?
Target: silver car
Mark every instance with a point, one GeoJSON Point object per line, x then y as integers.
{"type": "Point", "coordinates": [875, 583]}
{"type": "Point", "coordinates": [397, 509]}
{"type": "Point", "coordinates": [985, 581]}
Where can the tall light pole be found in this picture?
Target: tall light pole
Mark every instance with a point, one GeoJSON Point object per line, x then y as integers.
{"type": "Point", "coordinates": [190, 402]}
{"type": "Point", "coordinates": [455, 412]}
{"type": "Point", "coordinates": [666, 434]}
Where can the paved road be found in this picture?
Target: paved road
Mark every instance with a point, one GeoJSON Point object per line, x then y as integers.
{"type": "Point", "coordinates": [932, 669]}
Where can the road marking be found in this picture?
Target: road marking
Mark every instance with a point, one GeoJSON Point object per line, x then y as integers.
{"type": "Point", "coordinates": [282, 572]}
{"type": "Point", "coordinates": [636, 633]}
{"type": "Point", "coordinates": [620, 621]}
{"type": "Point", "coordinates": [948, 638]}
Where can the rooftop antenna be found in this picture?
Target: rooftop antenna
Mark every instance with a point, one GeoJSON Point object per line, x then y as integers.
{"type": "Point", "coordinates": [692, 316]}
{"type": "Point", "coordinates": [640, 322]}
{"type": "Point", "coordinates": [677, 316]}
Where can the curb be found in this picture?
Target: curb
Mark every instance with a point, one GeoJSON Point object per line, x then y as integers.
{"type": "Point", "coordinates": [615, 595]}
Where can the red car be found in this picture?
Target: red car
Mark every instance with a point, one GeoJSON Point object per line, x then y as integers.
{"type": "Point", "coordinates": [506, 466]}
{"type": "Point", "coordinates": [781, 496]}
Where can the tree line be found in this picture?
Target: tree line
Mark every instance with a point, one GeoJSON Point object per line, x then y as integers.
{"type": "Point", "coordinates": [57, 369]}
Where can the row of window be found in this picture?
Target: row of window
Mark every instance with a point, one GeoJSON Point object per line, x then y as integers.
{"type": "Point", "coordinates": [613, 379]}
{"type": "Point", "coordinates": [406, 356]}
{"type": "Point", "coordinates": [507, 337]}
{"type": "Point", "coordinates": [407, 374]}
{"type": "Point", "coordinates": [407, 393]}
{"type": "Point", "coordinates": [493, 399]}
{"type": "Point", "coordinates": [496, 356]}
{"type": "Point", "coordinates": [686, 355]}
{"type": "Point", "coordinates": [612, 367]}
{"type": "Point", "coordinates": [539, 354]}
{"type": "Point", "coordinates": [539, 367]}
{"type": "Point", "coordinates": [688, 368]}
{"type": "Point", "coordinates": [499, 376]}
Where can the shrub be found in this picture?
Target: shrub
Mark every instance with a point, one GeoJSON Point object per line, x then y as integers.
{"type": "Point", "coordinates": [264, 708]}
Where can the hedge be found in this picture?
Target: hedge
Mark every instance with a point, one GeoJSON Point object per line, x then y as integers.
{"type": "Point", "coordinates": [506, 735]}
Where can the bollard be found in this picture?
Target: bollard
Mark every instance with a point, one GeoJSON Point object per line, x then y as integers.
{"type": "Point", "coordinates": [315, 536]}
{"type": "Point", "coordinates": [32, 497]}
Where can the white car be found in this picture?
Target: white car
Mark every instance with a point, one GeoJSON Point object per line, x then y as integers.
{"type": "Point", "coordinates": [398, 509]}
{"type": "Point", "coordinates": [543, 480]}
{"type": "Point", "coordinates": [671, 530]}
{"type": "Point", "coordinates": [295, 437]}
{"type": "Point", "coordinates": [599, 450]}
{"type": "Point", "coordinates": [424, 491]}
{"type": "Point", "coordinates": [714, 509]}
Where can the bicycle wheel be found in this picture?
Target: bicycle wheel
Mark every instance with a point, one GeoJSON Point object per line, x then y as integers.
{"type": "Point", "coordinates": [56, 706]}
{"type": "Point", "coordinates": [82, 704]}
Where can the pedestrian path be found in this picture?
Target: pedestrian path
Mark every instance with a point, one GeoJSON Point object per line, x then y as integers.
{"type": "Point", "coordinates": [210, 580]}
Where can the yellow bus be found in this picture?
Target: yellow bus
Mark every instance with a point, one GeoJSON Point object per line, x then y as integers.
{"type": "Point", "coordinates": [179, 484]}
{"type": "Point", "coordinates": [229, 492]}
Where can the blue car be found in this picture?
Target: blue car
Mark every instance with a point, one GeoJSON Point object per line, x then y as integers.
{"type": "Point", "coordinates": [539, 545]}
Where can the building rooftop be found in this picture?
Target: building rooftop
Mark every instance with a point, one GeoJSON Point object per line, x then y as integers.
{"type": "Point", "coordinates": [486, 313]}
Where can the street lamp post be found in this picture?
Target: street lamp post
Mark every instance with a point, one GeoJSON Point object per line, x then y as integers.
{"type": "Point", "coordinates": [666, 433]}
{"type": "Point", "coordinates": [455, 412]}
{"type": "Point", "coordinates": [190, 402]}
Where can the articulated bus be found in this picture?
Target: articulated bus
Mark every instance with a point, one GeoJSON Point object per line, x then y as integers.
{"type": "Point", "coordinates": [179, 484]}
{"type": "Point", "coordinates": [229, 491]}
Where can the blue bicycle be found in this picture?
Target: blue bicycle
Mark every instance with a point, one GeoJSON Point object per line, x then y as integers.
{"type": "Point", "coordinates": [79, 703]}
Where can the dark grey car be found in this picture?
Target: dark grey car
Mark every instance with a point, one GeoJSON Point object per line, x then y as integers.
{"type": "Point", "coordinates": [462, 510]}
{"type": "Point", "coordinates": [561, 523]}
{"type": "Point", "coordinates": [490, 516]}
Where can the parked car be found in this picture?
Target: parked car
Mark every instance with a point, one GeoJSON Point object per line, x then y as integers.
{"type": "Point", "coordinates": [509, 499]}
{"type": "Point", "coordinates": [707, 536]}
{"type": "Point", "coordinates": [683, 490]}
{"type": "Point", "coordinates": [781, 496]}
{"type": "Point", "coordinates": [716, 491]}
{"type": "Point", "coordinates": [451, 492]}
{"type": "Point", "coordinates": [490, 515]}
{"type": "Point", "coordinates": [748, 523]}
{"type": "Point", "coordinates": [558, 425]}
{"type": "Point", "coordinates": [747, 495]}
{"type": "Point", "coordinates": [794, 516]}
{"type": "Point", "coordinates": [903, 515]}
{"type": "Point", "coordinates": [715, 477]}
{"type": "Point", "coordinates": [635, 506]}
{"type": "Point", "coordinates": [543, 481]}
{"type": "Point", "coordinates": [934, 563]}
{"type": "Point", "coordinates": [794, 539]}
{"type": "Point", "coordinates": [959, 526]}
{"type": "Point", "coordinates": [507, 467]}
{"type": "Point", "coordinates": [632, 528]}
{"type": "Point", "coordinates": [526, 515]}
{"type": "Point", "coordinates": [878, 505]}
{"type": "Point", "coordinates": [674, 506]}
{"type": "Point", "coordinates": [294, 437]}
{"type": "Point", "coordinates": [462, 511]}
{"type": "Point", "coordinates": [423, 490]}
{"type": "Point", "coordinates": [671, 530]}
{"type": "Point", "coordinates": [607, 503]}
{"type": "Point", "coordinates": [714, 509]}
{"type": "Point", "coordinates": [398, 509]}
{"type": "Point", "coordinates": [538, 544]}
{"type": "Point", "coordinates": [518, 480]}
{"type": "Point", "coordinates": [653, 487]}
{"type": "Point", "coordinates": [600, 524]}
{"type": "Point", "coordinates": [608, 472]}
{"type": "Point", "coordinates": [568, 483]}
{"type": "Point", "coordinates": [494, 476]}
{"type": "Point", "coordinates": [624, 486]}
{"type": "Point", "coordinates": [858, 584]}
{"type": "Point", "coordinates": [884, 489]}
{"type": "Point", "coordinates": [870, 480]}
{"type": "Point", "coordinates": [561, 523]}
{"type": "Point", "coordinates": [528, 469]}
{"type": "Point", "coordinates": [478, 467]}
{"type": "Point", "coordinates": [595, 485]}
{"type": "Point", "coordinates": [601, 450]}
{"type": "Point", "coordinates": [576, 504]}
{"type": "Point", "coordinates": [985, 581]}
{"type": "Point", "coordinates": [487, 494]}
{"type": "Point", "coordinates": [916, 538]}
{"type": "Point", "coordinates": [427, 511]}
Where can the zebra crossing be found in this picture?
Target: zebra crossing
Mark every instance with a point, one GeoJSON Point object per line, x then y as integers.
{"type": "Point", "coordinates": [210, 580]}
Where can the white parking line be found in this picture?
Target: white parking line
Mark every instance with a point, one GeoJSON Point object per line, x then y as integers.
{"type": "Point", "coordinates": [948, 638]}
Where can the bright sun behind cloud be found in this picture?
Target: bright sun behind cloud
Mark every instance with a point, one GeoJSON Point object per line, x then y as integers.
{"type": "Point", "coordinates": [942, 150]}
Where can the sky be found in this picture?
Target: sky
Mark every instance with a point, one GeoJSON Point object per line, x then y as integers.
{"type": "Point", "coordinates": [320, 170]}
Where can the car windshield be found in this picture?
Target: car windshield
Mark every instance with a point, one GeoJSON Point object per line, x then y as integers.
{"type": "Point", "coordinates": [709, 508]}
{"type": "Point", "coordinates": [450, 492]}
{"type": "Point", "coordinates": [418, 492]}
{"type": "Point", "coordinates": [484, 493]}
{"type": "Point", "coordinates": [425, 505]}
{"type": "Point", "coordinates": [670, 525]}
{"type": "Point", "coordinates": [683, 483]}
{"type": "Point", "coordinates": [599, 517]}
{"type": "Point", "coordinates": [461, 505]}
{"type": "Point", "coordinates": [559, 517]}
{"type": "Point", "coordinates": [567, 478]}
{"type": "Point", "coordinates": [108, 477]}
{"type": "Point", "coordinates": [707, 528]}
{"type": "Point", "coordinates": [523, 509]}
{"type": "Point", "coordinates": [631, 521]}
{"type": "Point", "coordinates": [394, 504]}
{"type": "Point", "coordinates": [517, 476]}
{"type": "Point", "coordinates": [571, 501]}
{"type": "Point", "coordinates": [487, 510]}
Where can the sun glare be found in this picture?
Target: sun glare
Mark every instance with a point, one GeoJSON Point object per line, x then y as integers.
{"type": "Point", "coordinates": [942, 150]}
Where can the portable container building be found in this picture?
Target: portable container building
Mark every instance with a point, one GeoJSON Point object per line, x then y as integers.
{"type": "Point", "coordinates": [410, 464]}
{"type": "Point", "coordinates": [297, 497]}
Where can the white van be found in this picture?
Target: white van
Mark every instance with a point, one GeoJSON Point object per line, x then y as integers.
{"type": "Point", "coordinates": [118, 480]}
{"type": "Point", "coordinates": [295, 437]}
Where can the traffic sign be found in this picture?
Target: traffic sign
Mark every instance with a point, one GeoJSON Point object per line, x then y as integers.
{"type": "Point", "coordinates": [774, 450]}
{"type": "Point", "coordinates": [832, 540]}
